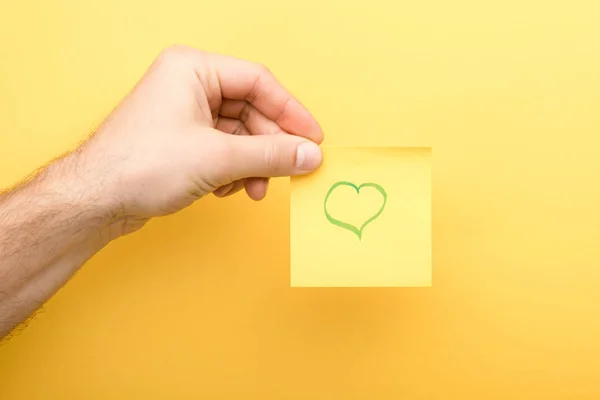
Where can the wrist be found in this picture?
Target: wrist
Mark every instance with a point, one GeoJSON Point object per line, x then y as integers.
{"type": "Point", "coordinates": [73, 188]}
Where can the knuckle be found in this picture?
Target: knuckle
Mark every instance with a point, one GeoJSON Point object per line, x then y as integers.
{"type": "Point", "coordinates": [173, 52]}
{"type": "Point", "coordinates": [272, 157]}
{"type": "Point", "coordinates": [239, 128]}
{"type": "Point", "coordinates": [282, 111]}
{"type": "Point", "coordinates": [263, 70]}
{"type": "Point", "coordinates": [221, 159]}
{"type": "Point", "coordinates": [178, 53]}
{"type": "Point", "coordinates": [245, 112]}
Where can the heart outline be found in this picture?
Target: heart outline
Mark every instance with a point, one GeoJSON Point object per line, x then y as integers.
{"type": "Point", "coordinates": [345, 225]}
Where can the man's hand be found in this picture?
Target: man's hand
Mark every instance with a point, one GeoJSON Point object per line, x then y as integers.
{"type": "Point", "coordinates": [200, 123]}
{"type": "Point", "coordinates": [195, 124]}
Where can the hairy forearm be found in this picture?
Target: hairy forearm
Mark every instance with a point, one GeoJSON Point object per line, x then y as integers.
{"type": "Point", "coordinates": [49, 226]}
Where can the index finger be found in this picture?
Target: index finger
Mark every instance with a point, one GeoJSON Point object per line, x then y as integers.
{"type": "Point", "coordinates": [246, 80]}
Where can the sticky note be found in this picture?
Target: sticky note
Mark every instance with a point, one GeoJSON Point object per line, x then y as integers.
{"type": "Point", "coordinates": [363, 219]}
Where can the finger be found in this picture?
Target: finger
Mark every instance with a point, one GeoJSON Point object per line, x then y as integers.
{"type": "Point", "coordinates": [237, 127]}
{"type": "Point", "coordinates": [269, 156]}
{"type": "Point", "coordinates": [254, 120]}
{"type": "Point", "coordinates": [257, 124]}
{"type": "Point", "coordinates": [223, 190]}
{"type": "Point", "coordinates": [237, 186]}
{"type": "Point", "coordinates": [230, 189]}
{"type": "Point", "coordinates": [245, 80]}
{"type": "Point", "coordinates": [256, 188]}
{"type": "Point", "coordinates": [232, 126]}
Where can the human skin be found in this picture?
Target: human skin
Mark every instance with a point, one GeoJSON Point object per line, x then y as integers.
{"type": "Point", "coordinates": [196, 123]}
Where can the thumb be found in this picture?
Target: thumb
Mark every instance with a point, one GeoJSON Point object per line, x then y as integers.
{"type": "Point", "coordinates": [266, 156]}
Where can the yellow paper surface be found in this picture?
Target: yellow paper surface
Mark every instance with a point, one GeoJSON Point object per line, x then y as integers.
{"type": "Point", "coordinates": [353, 186]}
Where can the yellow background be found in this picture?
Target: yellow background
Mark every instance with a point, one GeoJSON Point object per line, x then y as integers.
{"type": "Point", "coordinates": [394, 249]}
{"type": "Point", "coordinates": [199, 306]}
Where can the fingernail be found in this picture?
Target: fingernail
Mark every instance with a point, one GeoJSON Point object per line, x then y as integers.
{"type": "Point", "coordinates": [308, 156]}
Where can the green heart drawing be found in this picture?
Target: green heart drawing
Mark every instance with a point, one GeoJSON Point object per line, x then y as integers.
{"type": "Point", "coordinates": [345, 225]}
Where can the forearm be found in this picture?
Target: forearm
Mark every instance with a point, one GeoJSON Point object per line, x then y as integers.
{"type": "Point", "coordinates": [49, 226]}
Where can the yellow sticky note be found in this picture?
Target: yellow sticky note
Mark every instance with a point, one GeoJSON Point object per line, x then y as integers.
{"type": "Point", "coordinates": [363, 219]}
